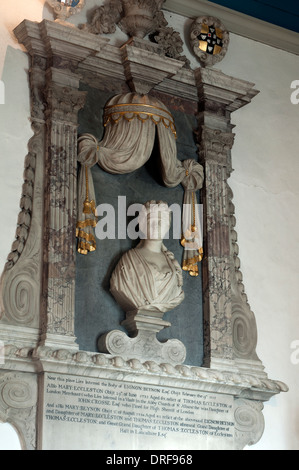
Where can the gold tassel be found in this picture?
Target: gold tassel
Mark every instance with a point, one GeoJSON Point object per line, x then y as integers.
{"type": "Point", "coordinates": [89, 207]}
{"type": "Point", "coordinates": [87, 241]}
{"type": "Point", "coordinates": [190, 265]}
{"type": "Point", "coordinates": [87, 204]}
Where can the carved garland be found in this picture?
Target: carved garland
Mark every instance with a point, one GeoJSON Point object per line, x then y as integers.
{"type": "Point", "coordinates": [24, 219]}
{"type": "Point", "coordinates": [21, 289]}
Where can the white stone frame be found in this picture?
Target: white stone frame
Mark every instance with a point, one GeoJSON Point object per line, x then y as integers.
{"type": "Point", "coordinates": [38, 283]}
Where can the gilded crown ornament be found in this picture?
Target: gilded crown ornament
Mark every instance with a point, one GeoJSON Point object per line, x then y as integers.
{"type": "Point", "coordinates": [65, 8]}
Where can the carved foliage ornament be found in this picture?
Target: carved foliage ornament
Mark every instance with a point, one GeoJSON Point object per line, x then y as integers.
{"type": "Point", "coordinates": [66, 8]}
{"type": "Point", "coordinates": [209, 40]}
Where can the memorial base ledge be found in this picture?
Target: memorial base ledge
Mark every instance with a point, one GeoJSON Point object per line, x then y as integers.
{"type": "Point", "coordinates": [105, 366]}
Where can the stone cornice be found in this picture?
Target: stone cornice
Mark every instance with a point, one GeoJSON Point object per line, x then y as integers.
{"type": "Point", "coordinates": [238, 23]}
{"type": "Point", "coordinates": [88, 364]}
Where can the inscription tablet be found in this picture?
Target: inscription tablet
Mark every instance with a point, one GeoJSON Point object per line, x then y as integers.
{"type": "Point", "coordinates": [91, 414]}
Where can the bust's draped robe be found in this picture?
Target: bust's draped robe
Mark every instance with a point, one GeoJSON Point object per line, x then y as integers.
{"type": "Point", "coordinates": [138, 286]}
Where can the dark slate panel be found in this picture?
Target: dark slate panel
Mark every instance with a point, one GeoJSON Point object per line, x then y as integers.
{"type": "Point", "coordinates": [96, 310]}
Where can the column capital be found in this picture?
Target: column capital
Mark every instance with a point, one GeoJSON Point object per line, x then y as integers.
{"type": "Point", "coordinates": [64, 99]}
{"type": "Point", "coordinates": [215, 146]}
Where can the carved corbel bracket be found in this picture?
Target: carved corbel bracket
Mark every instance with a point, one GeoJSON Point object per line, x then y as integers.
{"type": "Point", "coordinates": [20, 281]}
{"type": "Point", "coordinates": [249, 423]}
{"type": "Point", "coordinates": [18, 405]}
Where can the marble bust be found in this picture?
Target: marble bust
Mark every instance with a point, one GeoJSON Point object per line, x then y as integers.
{"type": "Point", "coordinates": [148, 279]}
{"type": "Point", "coordinates": [146, 283]}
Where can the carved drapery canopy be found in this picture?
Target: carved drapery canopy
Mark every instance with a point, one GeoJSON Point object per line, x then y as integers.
{"type": "Point", "coordinates": [131, 121]}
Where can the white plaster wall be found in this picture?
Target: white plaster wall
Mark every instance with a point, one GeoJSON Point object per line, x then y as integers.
{"type": "Point", "coordinates": [265, 185]}
{"type": "Point", "coordinates": [9, 439]}
{"type": "Point", "coordinates": [266, 189]}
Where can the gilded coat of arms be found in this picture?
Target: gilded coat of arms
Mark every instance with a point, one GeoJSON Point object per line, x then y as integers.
{"type": "Point", "coordinates": [209, 40]}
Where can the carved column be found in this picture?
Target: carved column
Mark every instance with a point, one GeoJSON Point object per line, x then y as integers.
{"type": "Point", "coordinates": [216, 264]}
{"type": "Point", "coordinates": [219, 95]}
{"type": "Point", "coordinates": [56, 53]}
{"type": "Point", "coordinates": [64, 101]}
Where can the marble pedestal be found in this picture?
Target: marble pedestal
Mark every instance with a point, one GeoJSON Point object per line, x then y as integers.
{"type": "Point", "coordinates": [143, 344]}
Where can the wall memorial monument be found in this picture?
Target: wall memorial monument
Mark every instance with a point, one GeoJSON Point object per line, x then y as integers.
{"type": "Point", "coordinates": [168, 362]}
